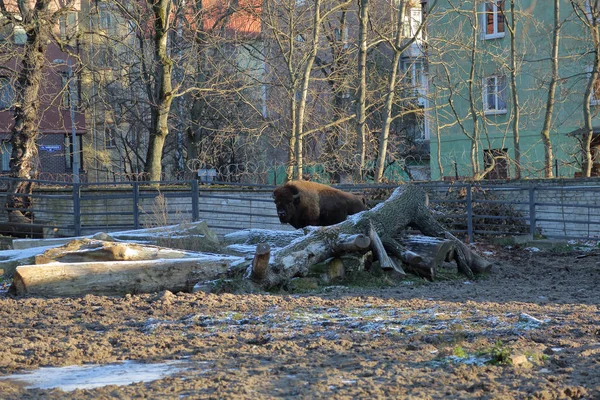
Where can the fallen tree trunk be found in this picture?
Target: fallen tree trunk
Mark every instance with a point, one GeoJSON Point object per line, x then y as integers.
{"type": "Point", "coordinates": [118, 278]}
{"type": "Point", "coordinates": [406, 207]}
{"type": "Point", "coordinates": [85, 250]}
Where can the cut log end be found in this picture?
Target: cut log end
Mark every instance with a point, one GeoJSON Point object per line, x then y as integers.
{"type": "Point", "coordinates": [260, 263]}
{"type": "Point", "coordinates": [352, 244]}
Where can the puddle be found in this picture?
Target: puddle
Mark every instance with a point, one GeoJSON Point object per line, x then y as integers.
{"type": "Point", "coordinates": [94, 375]}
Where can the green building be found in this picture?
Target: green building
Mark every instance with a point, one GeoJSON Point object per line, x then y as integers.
{"type": "Point", "coordinates": [471, 104]}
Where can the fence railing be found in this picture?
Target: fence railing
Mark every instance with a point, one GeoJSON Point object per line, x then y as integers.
{"type": "Point", "coordinates": [551, 209]}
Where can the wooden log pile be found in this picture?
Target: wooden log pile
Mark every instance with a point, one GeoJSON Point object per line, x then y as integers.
{"type": "Point", "coordinates": [381, 230]}
{"type": "Point", "coordinates": [377, 236]}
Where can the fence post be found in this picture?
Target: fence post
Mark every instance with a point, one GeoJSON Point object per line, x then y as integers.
{"type": "Point", "coordinates": [76, 209]}
{"type": "Point", "coordinates": [136, 208]}
{"type": "Point", "coordinates": [469, 201]}
{"type": "Point", "coordinates": [195, 199]}
{"type": "Point", "coordinates": [532, 218]}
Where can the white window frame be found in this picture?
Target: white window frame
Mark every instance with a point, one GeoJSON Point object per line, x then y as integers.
{"type": "Point", "coordinates": [496, 13]}
{"type": "Point", "coordinates": [500, 90]}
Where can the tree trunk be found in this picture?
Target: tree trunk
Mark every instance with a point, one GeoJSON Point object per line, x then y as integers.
{"type": "Point", "coordinates": [24, 132]}
{"type": "Point", "coordinates": [550, 101]}
{"type": "Point", "coordinates": [361, 105]}
{"type": "Point", "coordinates": [476, 170]}
{"type": "Point", "coordinates": [513, 88]}
{"type": "Point", "coordinates": [163, 93]}
{"type": "Point", "coordinates": [391, 89]}
{"type": "Point", "coordinates": [406, 207]}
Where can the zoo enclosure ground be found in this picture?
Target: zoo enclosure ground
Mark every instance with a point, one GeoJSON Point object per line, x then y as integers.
{"type": "Point", "coordinates": [530, 329]}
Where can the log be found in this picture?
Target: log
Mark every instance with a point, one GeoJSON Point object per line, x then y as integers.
{"type": "Point", "coordinates": [434, 251]}
{"type": "Point", "coordinates": [358, 243]}
{"type": "Point", "coordinates": [410, 258]}
{"type": "Point", "coordinates": [201, 234]}
{"type": "Point", "coordinates": [255, 236]}
{"type": "Point", "coordinates": [394, 248]}
{"type": "Point", "coordinates": [86, 250]}
{"type": "Point", "coordinates": [118, 278]}
{"type": "Point", "coordinates": [385, 262]}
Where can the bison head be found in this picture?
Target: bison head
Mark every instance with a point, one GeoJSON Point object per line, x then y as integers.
{"type": "Point", "coordinates": [287, 199]}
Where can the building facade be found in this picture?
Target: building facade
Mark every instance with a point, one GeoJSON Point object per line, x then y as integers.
{"type": "Point", "coordinates": [60, 118]}
{"type": "Point", "coordinates": [476, 131]}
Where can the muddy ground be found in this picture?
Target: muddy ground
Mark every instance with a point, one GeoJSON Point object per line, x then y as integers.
{"type": "Point", "coordinates": [531, 329]}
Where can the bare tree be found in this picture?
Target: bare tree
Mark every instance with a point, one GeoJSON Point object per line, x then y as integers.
{"type": "Point", "coordinates": [550, 102]}
{"type": "Point", "coordinates": [161, 97]}
{"type": "Point", "coordinates": [588, 12]}
{"type": "Point", "coordinates": [227, 121]}
{"type": "Point", "coordinates": [36, 19]}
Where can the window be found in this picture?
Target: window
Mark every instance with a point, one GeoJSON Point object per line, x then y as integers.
{"type": "Point", "coordinates": [412, 22]}
{"type": "Point", "coordinates": [493, 22]}
{"type": "Point", "coordinates": [414, 73]}
{"type": "Point", "coordinates": [494, 94]}
{"type": "Point", "coordinates": [110, 140]}
{"type": "Point", "coordinates": [67, 87]}
{"type": "Point", "coordinates": [499, 159]}
{"type": "Point", "coordinates": [69, 152]}
{"type": "Point", "coordinates": [7, 94]}
{"type": "Point", "coordinates": [68, 26]}
{"type": "Point", "coordinates": [6, 153]}
{"type": "Point", "coordinates": [106, 19]}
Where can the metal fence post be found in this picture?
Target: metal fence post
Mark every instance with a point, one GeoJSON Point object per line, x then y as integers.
{"type": "Point", "coordinates": [136, 208]}
{"type": "Point", "coordinates": [76, 209]}
{"type": "Point", "coordinates": [532, 228]}
{"type": "Point", "coordinates": [469, 201]}
{"type": "Point", "coordinates": [195, 200]}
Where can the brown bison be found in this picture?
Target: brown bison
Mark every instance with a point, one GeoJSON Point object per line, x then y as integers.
{"type": "Point", "coordinates": [303, 203]}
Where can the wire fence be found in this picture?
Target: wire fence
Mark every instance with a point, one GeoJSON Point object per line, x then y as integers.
{"type": "Point", "coordinates": [547, 209]}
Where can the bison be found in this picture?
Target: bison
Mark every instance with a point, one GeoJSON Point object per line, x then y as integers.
{"type": "Point", "coordinates": [303, 203]}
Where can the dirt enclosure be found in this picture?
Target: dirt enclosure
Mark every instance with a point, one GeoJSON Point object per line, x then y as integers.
{"type": "Point", "coordinates": [529, 330]}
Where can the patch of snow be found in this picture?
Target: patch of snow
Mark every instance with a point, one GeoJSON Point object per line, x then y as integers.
{"type": "Point", "coordinates": [524, 317]}
{"type": "Point", "coordinates": [471, 360]}
{"type": "Point", "coordinates": [532, 249]}
{"type": "Point", "coordinates": [93, 376]}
